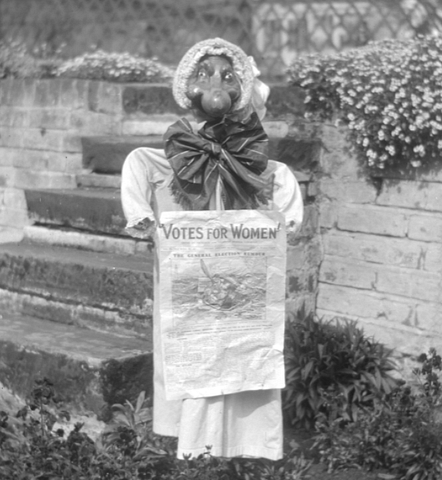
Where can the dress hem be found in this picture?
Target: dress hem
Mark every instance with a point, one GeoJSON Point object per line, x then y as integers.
{"type": "Point", "coordinates": [243, 451]}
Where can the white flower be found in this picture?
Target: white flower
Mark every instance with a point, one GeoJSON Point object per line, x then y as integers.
{"type": "Point", "coordinates": [391, 150]}
{"type": "Point", "coordinates": [402, 100]}
{"type": "Point", "coordinates": [420, 149]}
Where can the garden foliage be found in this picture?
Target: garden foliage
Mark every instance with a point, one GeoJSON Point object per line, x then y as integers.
{"type": "Point", "coordinates": [402, 434]}
{"type": "Point", "coordinates": [126, 450]}
{"type": "Point", "coordinates": [387, 93]}
{"type": "Point", "coordinates": [332, 369]}
{"type": "Point", "coordinates": [16, 60]}
{"type": "Point", "coordinates": [398, 430]}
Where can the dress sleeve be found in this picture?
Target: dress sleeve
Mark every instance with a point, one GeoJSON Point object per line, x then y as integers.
{"type": "Point", "coordinates": [141, 170]}
{"type": "Point", "coordinates": [287, 197]}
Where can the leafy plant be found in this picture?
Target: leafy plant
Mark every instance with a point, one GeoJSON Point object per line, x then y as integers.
{"type": "Point", "coordinates": [129, 437]}
{"type": "Point", "coordinates": [44, 401]}
{"type": "Point", "coordinates": [402, 434]}
{"type": "Point", "coordinates": [126, 450]}
{"type": "Point", "coordinates": [428, 379]}
{"type": "Point", "coordinates": [332, 369]}
{"type": "Point", "coordinates": [387, 93]}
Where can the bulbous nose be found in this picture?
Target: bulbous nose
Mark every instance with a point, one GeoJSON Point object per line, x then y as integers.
{"type": "Point", "coordinates": [216, 102]}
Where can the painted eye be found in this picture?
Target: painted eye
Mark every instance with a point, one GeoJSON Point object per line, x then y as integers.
{"type": "Point", "coordinates": [228, 76]}
{"type": "Point", "coordinates": [202, 74]}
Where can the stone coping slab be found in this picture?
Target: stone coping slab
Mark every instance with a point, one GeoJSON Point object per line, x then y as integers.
{"type": "Point", "coordinates": [90, 370]}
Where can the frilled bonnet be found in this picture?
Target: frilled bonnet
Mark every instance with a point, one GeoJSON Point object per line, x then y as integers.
{"type": "Point", "coordinates": [242, 65]}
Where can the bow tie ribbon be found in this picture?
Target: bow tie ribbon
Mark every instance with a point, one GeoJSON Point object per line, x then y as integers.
{"type": "Point", "coordinates": [229, 152]}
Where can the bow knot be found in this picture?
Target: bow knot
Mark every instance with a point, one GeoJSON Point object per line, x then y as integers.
{"type": "Point", "coordinates": [230, 152]}
{"type": "Point", "coordinates": [215, 149]}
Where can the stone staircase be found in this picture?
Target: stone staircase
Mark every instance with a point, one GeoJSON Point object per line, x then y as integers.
{"type": "Point", "coordinates": [76, 293]}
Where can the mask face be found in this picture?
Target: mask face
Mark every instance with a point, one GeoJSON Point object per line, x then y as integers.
{"type": "Point", "coordinates": [213, 87]}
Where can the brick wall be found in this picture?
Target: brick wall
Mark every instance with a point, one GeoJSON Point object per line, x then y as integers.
{"type": "Point", "coordinates": [382, 250]}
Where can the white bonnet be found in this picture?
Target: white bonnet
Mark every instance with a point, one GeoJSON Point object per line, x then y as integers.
{"type": "Point", "coordinates": [242, 65]}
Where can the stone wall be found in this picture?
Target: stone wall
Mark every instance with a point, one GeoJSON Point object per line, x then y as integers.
{"type": "Point", "coordinates": [382, 249]}
{"type": "Point", "coordinates": [377, 257]}
{"type": "Point", "coordinates": [43, 123]}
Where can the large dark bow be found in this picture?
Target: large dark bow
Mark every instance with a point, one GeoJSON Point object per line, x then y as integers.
{"type": "Point", "coordinates": [231, 151]}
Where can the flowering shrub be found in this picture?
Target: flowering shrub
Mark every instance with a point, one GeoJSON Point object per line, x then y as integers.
{"type": "Point", "coordinates": [116, 67]}
{"type": "Point", "coordinates": [16, 60]}
{"type": "Point", "coordinates": [388, 93]}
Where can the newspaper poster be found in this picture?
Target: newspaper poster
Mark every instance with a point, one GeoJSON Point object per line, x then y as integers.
{"type": "Point", "coordinates": [222, 301]}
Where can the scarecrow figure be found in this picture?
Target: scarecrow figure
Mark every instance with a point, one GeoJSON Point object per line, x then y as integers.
{"type": "Point", "coordinates": [218, 163]}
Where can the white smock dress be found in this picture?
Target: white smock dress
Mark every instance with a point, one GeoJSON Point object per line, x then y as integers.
{"type": "Point", "coordinates": [247, 424]}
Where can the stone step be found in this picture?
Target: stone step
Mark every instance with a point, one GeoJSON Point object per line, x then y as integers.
{"type": "Point", "coordinates": [83, 316]}
{"type": "Point", "coordinates": [95, 210]}
{"type": "Point", "coordinates": [106, 155]}
{"type": "Point", "coordinates": [90, 370]}
{"type": "Point", "coordinates": [101, 291]}
{"type": "Point", "coordinates": [97, 180]}
{"type": "Point", "coordinates": [61, 237]}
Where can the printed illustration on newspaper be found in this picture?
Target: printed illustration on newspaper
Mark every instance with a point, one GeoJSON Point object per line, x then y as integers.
{"type": "Point", "coordinates": [222, 294]}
